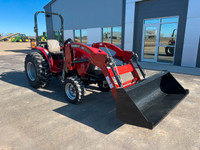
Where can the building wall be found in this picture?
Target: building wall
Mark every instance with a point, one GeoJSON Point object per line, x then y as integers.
{"type": "Point", "coordinates": [68, 34]}
{"type": "Point", "coordinates": [49, 23]}
{"type": "Point", "coordinates": [156, 9]}
{"type": "Point", "coordinates": [79, 14]}
{"type": "Point", "coordinates": [191, 50]}
{"type": "Point", "coordinates": [129, 25]}
{"type": "Point", "coordinates": [198, 56]}
{"type": "Point", "coordinates": [94, 35]}
{"type": "Point", "coordinates": [129, 14]}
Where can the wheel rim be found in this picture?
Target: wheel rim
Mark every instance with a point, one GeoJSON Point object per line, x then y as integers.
{"type": "Point", "coordinates": [31, 71]}
{"type": "Point", "coordinates": [171, 50]}
{"type": "Point", "coordinates": [104, 84]}
{"type": "Point", "coordinates": [70, 91]}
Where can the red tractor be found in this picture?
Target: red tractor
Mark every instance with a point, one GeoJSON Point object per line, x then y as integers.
{"type": "Point", "coordinates": [138, 102]}
{"type": "Point", "coordinates": [169, 50]}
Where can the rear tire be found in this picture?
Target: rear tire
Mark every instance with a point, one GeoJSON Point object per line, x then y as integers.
{"type": "Point", "coordinates": [74, 90]}
{"type": "Point", "coordinates": [37, 70]}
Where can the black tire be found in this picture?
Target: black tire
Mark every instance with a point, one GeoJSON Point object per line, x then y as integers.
{"type": "Point", "coordinates": [77, 91]}
{"type": "Point", "coordinates": [104, 86]}
{"type": "Point", "coordinates": [42, 75]}
{"type": "Point", "coordinates": [169, 51]}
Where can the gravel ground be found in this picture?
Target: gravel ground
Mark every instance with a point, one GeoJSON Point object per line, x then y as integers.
{"type": "Point", "coordinates": [42, 119]}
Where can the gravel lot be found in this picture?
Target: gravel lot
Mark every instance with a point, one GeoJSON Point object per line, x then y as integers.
{"type": "Point", "coordinates": [42, 119]}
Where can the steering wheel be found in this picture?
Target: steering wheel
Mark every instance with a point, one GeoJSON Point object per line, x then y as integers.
{"type": "Point", "coordinates": [69, 40]}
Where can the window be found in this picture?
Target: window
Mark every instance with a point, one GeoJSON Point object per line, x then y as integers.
{"type": "Point", "coordinates": [80, 36]}
{"type": "Point", "coordinates": [107, 35]}
{"type": "Point", "coordinates": [112, 35]}
{"type": "Point", "coordinates": [168, 32]}
{"type": "Point", "coordinates": [116, 35]}
{"type": "Point", "coordinates": [57, 36]}
{"type": "Point", "coordinates": [77, 36]}
{"type": "Point", "coordinates": [169, 20]}
{"type": "Point", "coordinates": [151, 21]}
{"type": "Point", "coordinates": [84, 36]}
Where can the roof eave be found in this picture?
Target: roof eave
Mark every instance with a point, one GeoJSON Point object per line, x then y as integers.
{"type": "Point", "coordinates": [51, 2]}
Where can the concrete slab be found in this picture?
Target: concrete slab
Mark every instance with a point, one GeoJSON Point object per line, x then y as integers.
{"type": "Point", "coordinates": [171, 68]}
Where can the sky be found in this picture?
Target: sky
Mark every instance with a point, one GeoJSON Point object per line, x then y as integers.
{"type": "Point", "coordinates": [17, 16]}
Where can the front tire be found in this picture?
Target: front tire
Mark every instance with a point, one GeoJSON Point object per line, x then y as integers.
{"type": "Point", "coordinates": [37, 70]}
{"type": "Point", "coordinates": [103, 86]}
{"type": "Point", "coordinates": [169, 51]}
{"type": "Point", "coordinates": [74, 90]}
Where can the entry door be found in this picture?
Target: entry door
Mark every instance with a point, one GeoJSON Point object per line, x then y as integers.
{"type": "Point", "coordinates": [150, 42]}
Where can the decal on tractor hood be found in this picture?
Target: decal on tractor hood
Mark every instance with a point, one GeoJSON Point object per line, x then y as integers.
{"type": "Point", "coordinates": [81, 47]}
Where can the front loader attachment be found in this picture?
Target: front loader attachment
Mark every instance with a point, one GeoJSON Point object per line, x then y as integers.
{"type": "Point", "coordinates": [146, 103]}
{"type": "Point", "coordinates": [138, 102]}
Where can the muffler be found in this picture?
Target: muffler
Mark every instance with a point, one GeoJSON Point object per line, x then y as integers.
{"type": "Point", "coordinates": [146, 103]}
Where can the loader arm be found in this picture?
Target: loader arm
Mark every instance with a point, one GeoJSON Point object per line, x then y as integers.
{"type": "Point", "coordinates": [102, 60]}
{"type": "Point", "coordinates": [121, 55]}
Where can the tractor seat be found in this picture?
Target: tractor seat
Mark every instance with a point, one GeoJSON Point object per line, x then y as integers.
{"type": "Point", "coordinates": [53, 46]}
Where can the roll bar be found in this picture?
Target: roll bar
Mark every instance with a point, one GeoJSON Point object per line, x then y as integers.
{"type": "Point", "coordinates": [48, 13]}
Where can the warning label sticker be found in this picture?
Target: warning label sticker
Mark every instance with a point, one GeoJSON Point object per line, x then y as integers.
{"type": "Point", "coordinates": [109, 83]}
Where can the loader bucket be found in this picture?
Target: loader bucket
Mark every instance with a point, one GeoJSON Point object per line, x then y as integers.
{"type": "Point", "coordinates": [146, 103]}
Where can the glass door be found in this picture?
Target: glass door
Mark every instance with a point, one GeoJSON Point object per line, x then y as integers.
{"type": "Point", "coordinates": [150, 42]}
{"type": "Point", "coordinates": [159, 39]}
{"type": "Point", "coordinates": [167, 42]}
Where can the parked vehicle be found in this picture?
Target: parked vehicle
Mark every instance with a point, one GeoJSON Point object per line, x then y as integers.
{"type": "Point", "coordinates": [169, 50]}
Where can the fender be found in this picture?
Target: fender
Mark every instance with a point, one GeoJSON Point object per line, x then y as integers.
{"type": "Point", "coordinates": [45, 52]}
